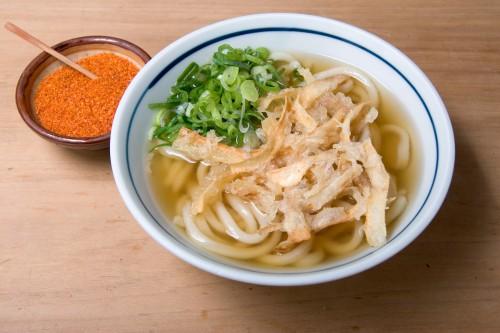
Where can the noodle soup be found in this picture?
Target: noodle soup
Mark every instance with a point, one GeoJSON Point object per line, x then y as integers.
{"type": "Point", "coordinates": [232, 226]}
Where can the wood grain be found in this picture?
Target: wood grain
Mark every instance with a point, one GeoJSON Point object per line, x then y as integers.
{"type": "Point", "coordinates": [72, 259]}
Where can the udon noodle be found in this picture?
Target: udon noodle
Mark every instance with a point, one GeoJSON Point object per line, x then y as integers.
{"type": "Point", "coordinates": [236, 227]}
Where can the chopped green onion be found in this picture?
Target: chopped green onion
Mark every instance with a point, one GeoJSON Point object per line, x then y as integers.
{"type": "Point", "coordinates": [232, 87]}
{"type": "Point", "coordinates": [263, 53]}
{"type": "Point", "coordinates": [189, 71]}
{"type": "Point", "coordinates": [248, 91]}
{"type": "Point", "coordinates": [221, 96]}
{"type": "Point", "coordinates": [230, 74]}
{"type": "Point", "coordinates": [251, 139]}
{"type": "Point", "coordinates": [255, 60]}
{"type": "Point", "coordinates": [158, 106]}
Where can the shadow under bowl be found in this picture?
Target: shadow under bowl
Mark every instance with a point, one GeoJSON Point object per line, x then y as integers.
{"type": "Point", "coordinates": [44, 64]}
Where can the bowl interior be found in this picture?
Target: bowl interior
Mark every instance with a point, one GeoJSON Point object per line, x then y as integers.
{"type": "Point", "coordinates": [428, 123]}
{"type": "Point", "coordinates": [44, 65]}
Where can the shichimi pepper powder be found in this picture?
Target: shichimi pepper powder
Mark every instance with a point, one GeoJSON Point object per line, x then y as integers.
{"type": "Point", "coordinates": [70, 104]}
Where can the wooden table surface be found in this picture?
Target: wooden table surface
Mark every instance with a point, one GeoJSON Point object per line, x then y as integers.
{"type": "Point", "coordinates": [72, 259]}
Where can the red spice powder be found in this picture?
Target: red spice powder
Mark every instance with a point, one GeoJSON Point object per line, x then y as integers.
{"type": "Point", "coordinates": [70, 104]}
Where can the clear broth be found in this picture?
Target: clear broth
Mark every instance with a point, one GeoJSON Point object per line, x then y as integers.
{"type": "Point", "coordinates": [389, 113]}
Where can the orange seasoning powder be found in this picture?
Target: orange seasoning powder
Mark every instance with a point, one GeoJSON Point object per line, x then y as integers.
{"type": "Point", "coordinates": [70, 104]}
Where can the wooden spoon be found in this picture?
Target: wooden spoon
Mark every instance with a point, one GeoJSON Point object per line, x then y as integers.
{"type": "Point", "coordinates": [38, 43]}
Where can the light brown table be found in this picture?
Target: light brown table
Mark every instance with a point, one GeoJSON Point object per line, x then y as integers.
{"type": "Point", "coordinates": [72, 259]}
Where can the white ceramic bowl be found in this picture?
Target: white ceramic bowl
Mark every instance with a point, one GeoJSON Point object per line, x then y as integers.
{"type": "Point", "coordinates": [285, 32]}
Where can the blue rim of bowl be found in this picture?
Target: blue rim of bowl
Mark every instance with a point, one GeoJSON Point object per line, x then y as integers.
{"type": "Point", "coordinates": [212, 41]}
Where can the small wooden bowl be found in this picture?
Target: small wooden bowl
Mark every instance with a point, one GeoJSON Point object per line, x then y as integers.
{"type": "Point", "coordinates": [44, 64]}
